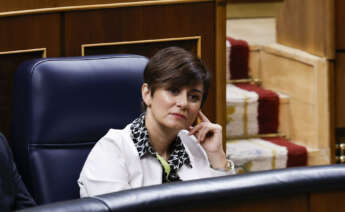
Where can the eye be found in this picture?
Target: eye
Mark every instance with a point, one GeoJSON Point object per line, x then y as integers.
{"type": "Point", "coordinates": [174, 90]}
{"type": "Point", "coordinates": [194, 98]}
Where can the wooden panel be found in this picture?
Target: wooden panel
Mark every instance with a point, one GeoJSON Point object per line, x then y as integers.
{"type": "Point", "coordinates": [37, 4]}
{"type": "Point", "coordinates": [307, 25]}
{"type": "Point", "coordinates": [8, 64]}
{"type": "Point", "coordinates": [220, 67]}
{"type": "Point", "coordinates": [147, 48]}
{"type": "Point", "coordinates": [327, 201]}
{"type": "Point", "coordinates": [339, 91]}
{"type": "Point", "coordinates": [296, 203]}
{"type": "Point", "coordinates": [306, 80]}
{"type": "Point", "coordinates": [282, 203]}
{"type": "Point", "coordinates": [339, 24]}
{"type": "Point", "coordinates": [252, 1]}
{"type": "Point", "coordinates": [31, 32]}
{"type": "Point", "coordinates": [20, 7]}
{"type": "Point", "coordinates": [23, 33]}
{"type": "Point", "coordinates": [252, 10]}
{"type": "Point", "coordinates": [146, 23]}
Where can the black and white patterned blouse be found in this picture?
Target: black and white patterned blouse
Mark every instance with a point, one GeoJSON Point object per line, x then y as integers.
{"type": "Point", "coordinates": [178, 155]}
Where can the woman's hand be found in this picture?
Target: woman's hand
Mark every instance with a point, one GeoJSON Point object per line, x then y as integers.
{"type": "Point", "coordinates": [209, 135]}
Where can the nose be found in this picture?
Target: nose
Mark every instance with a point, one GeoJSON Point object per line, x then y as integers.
{"type": "Point", "coordinates": [182, 99]}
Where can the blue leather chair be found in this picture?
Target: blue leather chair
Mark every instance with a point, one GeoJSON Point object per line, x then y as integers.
{"type": "Point", "coordinates": [318, 188]}
{"type": "Point", "coordinates": [61, 107]}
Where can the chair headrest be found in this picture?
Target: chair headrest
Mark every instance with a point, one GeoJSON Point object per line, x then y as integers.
{"type": "Point", "coordinates": [63, 100]}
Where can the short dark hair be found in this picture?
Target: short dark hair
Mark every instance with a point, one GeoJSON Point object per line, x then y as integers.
{"type": "Point", "coordinates": [176, 67]}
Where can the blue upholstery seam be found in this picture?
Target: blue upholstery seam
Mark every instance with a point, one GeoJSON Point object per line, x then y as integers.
{"type": "Point", "coordinates": [86, 58]}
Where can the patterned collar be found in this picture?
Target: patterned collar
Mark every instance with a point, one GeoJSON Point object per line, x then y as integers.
{"type": "Point", "coordinates": [140, 137]}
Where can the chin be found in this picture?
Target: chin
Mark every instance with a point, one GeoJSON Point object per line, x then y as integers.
{"type": "Point", "coordinates": [176, 126]}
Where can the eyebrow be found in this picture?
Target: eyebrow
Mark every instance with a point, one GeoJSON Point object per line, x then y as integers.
{"type": "Point", "coordinates": [196, 90]}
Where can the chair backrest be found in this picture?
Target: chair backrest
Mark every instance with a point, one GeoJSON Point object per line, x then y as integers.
{"type": "Point", "coordinates": [61, 107]}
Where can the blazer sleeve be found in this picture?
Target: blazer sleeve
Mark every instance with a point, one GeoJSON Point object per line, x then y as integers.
{"type": "Point", "coordinates": [105, 169]}
{"type": "Point", "coordinates": [22, 198]}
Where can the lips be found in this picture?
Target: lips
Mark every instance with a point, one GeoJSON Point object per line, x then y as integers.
{"type": "Point", "coordinates": [179, 115]}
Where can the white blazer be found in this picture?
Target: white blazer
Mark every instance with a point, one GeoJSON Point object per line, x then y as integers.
{"type": "Point", "coordinates": [114, 164]}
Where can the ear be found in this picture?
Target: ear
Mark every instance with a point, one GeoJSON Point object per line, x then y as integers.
{"type": "Point", "coordinates": [146, 94]}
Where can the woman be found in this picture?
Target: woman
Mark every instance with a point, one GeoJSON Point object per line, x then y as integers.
{"type": "Point", "coordinates": [161, 145]}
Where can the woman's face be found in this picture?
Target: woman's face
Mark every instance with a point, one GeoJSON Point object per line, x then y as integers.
{"type": "Point", "coordinates": [174, 107]}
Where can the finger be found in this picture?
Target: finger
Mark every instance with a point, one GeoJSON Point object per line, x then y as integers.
{"type": "Point", "coordinates": [203, 132]}
{"type": "Point", "coordinates": [203, 117]}
{"type": "Point", "coordinates": [194, 132]}
{"type": "Point", "coordinates": [195, 129]}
